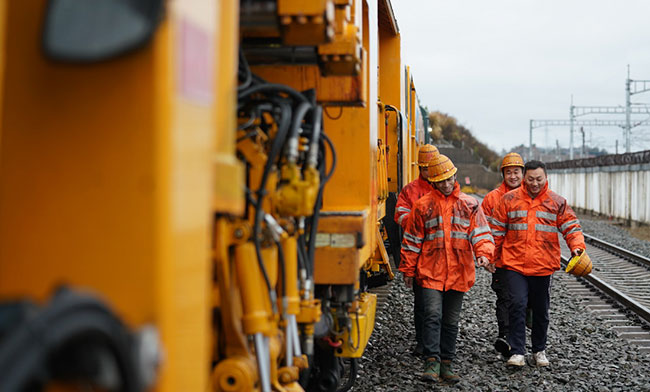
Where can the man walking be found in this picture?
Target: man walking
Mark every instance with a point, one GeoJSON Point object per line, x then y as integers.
{"type": "Point", "coordinates": [445, 230]}
{"type": "Point", "coordinates": [512, 168]}
{"type": "Point", "coordinates": [525, 225]}
{"type": "Point", "coordinates": [411, 193]}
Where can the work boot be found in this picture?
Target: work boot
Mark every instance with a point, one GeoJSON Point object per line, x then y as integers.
{"type": "Point", "coordinates": [529, 318]}
{"type": "Point", "coordinates": [431, 370]}
{"type": "Point", "coordinates": [447, 373]}
{"type": "Point", "coordinates": [502, 347]}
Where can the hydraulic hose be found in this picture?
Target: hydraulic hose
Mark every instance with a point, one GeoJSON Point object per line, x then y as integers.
{"type": "Point", "coordinates": [243, 67]}
{"type": "Point", "coordinates": [63, 338]}
{"type": "Point", "coordinates": [312, 157]}
{"type": "Point", "coordinates": [278, 142]}
{"type": "Point", "coordinates": [319, 200]}
{"type": "Point", "coordinates": [292, 144]}
{"type": "Point", "coordinates": [274, 88]}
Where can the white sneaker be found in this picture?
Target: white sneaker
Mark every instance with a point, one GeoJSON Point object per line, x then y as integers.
{"type": "Point", "coordinates": [540, 358]}
{"type": "Point", "coordinates": [516, 360]}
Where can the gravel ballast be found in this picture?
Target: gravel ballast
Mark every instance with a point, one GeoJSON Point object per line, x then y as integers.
{"type": "Point", "coordinates": [585, 354]}
{"type": "Point", "coordinates": [614, 234]}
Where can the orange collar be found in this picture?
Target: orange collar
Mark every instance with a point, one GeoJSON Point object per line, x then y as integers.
{"type": "Point", "coordinates": [524, 192]}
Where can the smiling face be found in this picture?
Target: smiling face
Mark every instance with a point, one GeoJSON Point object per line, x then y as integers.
{"type": "Point", "coordinates": [446, 187]}
{"type": "Point", "coordinates": [512, 176]}
{"type": "Point", "coordinates": [535, 180]}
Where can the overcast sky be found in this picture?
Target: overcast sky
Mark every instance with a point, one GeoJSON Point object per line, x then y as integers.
{"type": "Point", "coordinates": [496, 64]}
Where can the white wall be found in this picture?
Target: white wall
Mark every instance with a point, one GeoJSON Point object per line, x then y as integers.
{"type": "Point", "coordinates": [616, 191]}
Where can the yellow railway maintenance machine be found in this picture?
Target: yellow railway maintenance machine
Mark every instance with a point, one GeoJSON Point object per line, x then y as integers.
{"type": "Point", "coordinates": [191, 192]}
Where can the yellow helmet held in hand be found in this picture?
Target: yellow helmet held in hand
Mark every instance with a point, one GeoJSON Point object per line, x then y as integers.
{"type": "Point", "coordinates": [426, 153]}
{"type": "Point", "coordinates": [579, 265]}
{"type": "Point", "coordinates": [512, 159]}
{"type": "Point", "coordinates": [441, 168]}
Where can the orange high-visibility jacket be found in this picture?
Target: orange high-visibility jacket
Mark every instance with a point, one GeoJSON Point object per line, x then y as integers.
{"type": "Point", "coordinates": [492, 199]}
{"type": "Point", "coordinates": [439, 239]}
{"type": "Point", "coordinates": [411, 193]}
{"type": "Point", "coordinates": [487, 205]}
{"type": "Point", "coordinates": [526, 231]}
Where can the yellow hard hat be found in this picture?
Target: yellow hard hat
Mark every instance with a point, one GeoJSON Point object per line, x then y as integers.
{"type": "Point", "coordinates": [512, 159]}
{"type": "Point", "coordinates": [426, 153]}
{"type": "Point", "coordinates": [441, 168]}
{"type": "Point", "coordinates": [579, 265]}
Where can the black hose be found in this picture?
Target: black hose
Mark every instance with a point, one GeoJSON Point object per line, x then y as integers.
{"type": "Point", "coordinates": [333, 151]}
{"type": "Point", "coordinates": [296, 123]}
{"type": "Point", "coordinates": [352, 376]}
{"type": "Point", "coordinates": [281, 267]}
{"type": "Point", "coordinates": [313, 229]}
{"type": "Point", "coordinates": [49, 345]}
{"type": "Point", "coordinates": [302, 255]}
{"type": "Point", "coordinates": [317, 120]}
{"type": "Point", "coordinates": [278, 142]}
{"type": "Point", "coordinates": [243, 66]}
{"type": "Point", "coordinates": [271, 87]}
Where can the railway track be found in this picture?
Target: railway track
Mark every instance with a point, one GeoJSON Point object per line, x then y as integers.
{"type": "Point", "coordinates": [622, 276]}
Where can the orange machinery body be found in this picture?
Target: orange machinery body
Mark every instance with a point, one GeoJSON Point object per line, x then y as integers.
{"type": "Point", "coordinates": [111, 174]}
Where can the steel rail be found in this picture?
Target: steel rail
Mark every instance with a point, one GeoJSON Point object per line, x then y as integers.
{"type": "Point", "coordinates": [615, 294]}
{"type": "Point", "coordinates": [607, 288]}
{"type": "Point", "coordinates": [617, 250]}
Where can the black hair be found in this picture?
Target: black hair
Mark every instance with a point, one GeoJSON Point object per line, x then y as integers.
{"type": "Point", "coordinates": [532, 165]}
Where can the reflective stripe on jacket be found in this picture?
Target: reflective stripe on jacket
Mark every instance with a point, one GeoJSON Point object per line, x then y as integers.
{"type": "Point", "coordinates": [526, 231]}
{"type": "Point", "coordinates": [408, 196]}
{"type": "Point", "coordinates": [487, 205]}
{"type": "Point", "coordinates": [441, 235]}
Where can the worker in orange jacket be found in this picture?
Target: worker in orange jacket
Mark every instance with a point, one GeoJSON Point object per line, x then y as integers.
{"type": "Point", "coordinates": [445, 230]}
{"type": "Point", "coordinates": [512, 170]}
{"type": "Point", "coordinates": [407, 197]}
{"type": "Point", "coordinates": [525, 225]}
{"type": "Point", "coordinates": [416, 188]}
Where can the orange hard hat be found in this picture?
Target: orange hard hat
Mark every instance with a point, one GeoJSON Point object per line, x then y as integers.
{"type": "Point", "coordinates": [426, 154]}
{"type": "Point", "coordinates": [512, 159]}
{"type": "Point", "coordinates": [580, 265]}
{"type": "Point", "coordinates": [441, 168]}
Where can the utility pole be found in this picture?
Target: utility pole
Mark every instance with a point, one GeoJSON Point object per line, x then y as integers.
{"type": "Point", "coordinates": [616, 146]}
{"type": "Point", "coordinates": [582, 130]}
{"type": "Point", "coordinates": [628, 106]}
{"type": "Point", "coordinates": [632, 87]}
{"type": "Point", "coordinates": [571, 120]}
{"type": "Point", "coordinates": [530, 140]}
{"type": "Point", "coordinates": [557, 150]}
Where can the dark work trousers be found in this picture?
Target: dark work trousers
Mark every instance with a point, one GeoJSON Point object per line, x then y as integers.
{"type": "Point", "coordinates": [440, 322]}
{"type": "Point", "coordinates": [500, 287]}
{"type": "Point", "coordinates": [418, 310]}
{"type": "Point", "coordinates": [534, 291]}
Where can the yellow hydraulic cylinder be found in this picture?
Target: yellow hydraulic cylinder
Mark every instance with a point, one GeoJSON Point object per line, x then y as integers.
{"type": "Point", "coordinates": [290, 279]}
{"type": "Point", "coordinates": [255, 299]}
{"type": "Point", "coordinates": [235, 374]}
{"type": "Point", "coordinates": [275, 348]}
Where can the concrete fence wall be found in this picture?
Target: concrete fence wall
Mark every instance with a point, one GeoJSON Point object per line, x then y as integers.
{"type": "Point", "coordinates": [615, 191]}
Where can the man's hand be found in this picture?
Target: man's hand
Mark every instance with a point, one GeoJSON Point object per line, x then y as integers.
{"type": "Point", "coordinates": [408, 281]}
{"type": "Point", "coordinates": [482, 261]}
